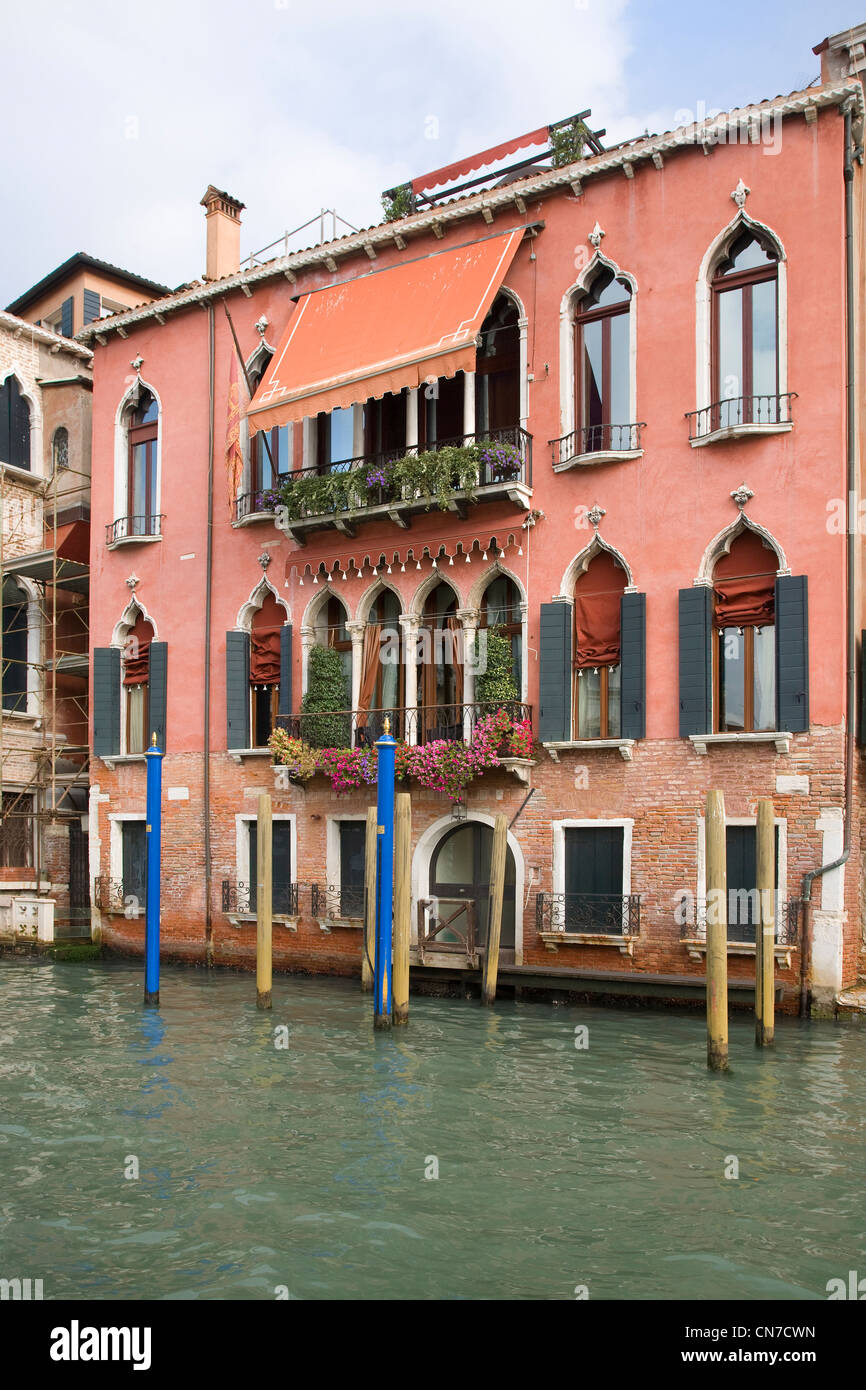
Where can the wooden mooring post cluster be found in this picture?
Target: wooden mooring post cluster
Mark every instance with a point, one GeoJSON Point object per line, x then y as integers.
{"type": "Point", "coordinates": [764, 914]}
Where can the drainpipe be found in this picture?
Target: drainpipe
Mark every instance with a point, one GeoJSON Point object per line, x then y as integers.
{"type": "Point", "coordinates": [208, 922]}
{"type": "Point", "coordinates": [850, 640]}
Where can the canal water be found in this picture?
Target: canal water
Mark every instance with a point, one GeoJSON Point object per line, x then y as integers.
{"type": "Point", "coordinates": [309, 1168]}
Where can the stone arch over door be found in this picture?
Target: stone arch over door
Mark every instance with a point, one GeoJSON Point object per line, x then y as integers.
{"type": "Point", "coordinates": [428, 861]}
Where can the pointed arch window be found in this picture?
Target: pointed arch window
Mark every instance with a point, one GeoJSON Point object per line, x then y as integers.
{"type": "Point", "coordinates": [745, 334]}
{"type": "Point", "coordinates": [501, 609]}
{"type": "Point", "coordinates": [136, 679]}
{"type": "Point", "coordinates": [141, 481]}
{"type": "Point", "coordinates": [15, 642]}
{"type": "Point", "coordinates": [602, 355]}
{"type": "Point", "coordinates": [596, 691]}
{"type": "Point", "coordinates": [270, 450]}
{"type": "Point", "coordinates": [744, 649]}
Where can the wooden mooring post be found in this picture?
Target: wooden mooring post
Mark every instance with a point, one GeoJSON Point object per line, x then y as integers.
{"type": "Point", "coordinates": [402, 906]}
{"type": "Point", "coordinates": [497, 891]}
{"type": "Point", "coordinates": [264, 902]}
{"type": "Point", "coordinates": [368, 946]}
{"type": "Point", "coordinates": [717, 934]}
{"type": "Point", "coordinates": [765, 927]}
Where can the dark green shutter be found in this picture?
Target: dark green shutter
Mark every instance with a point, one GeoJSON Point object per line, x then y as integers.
{"type": "Point", "coordinates": [792, 654]}
{"type": "Point", "coordinates": [91, 306]}
{"type": "Point", "coordinates": [696, 670]}
{"type": "Point", "coordinates": [106, 701]}
{"type": "Point", "coordinates": [157, 691]}
{"type": "Point", "coordinates": [238, 689]}
{"type": "Point", "coordinates": [14, 425]}
{"type": "Point", "coordinates": [554, 681]}
{"type": "Point", "coordinates": [861, 668]}
{"type": "Point", "coordinates": [66, 311]}
{"type": "Point", "coordinates": [286, 670]}
{"type": "Point", "coordinates": [633, 666]}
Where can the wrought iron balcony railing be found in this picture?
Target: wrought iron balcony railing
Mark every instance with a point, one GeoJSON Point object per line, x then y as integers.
{"type": "Point", "coordinates": [424, 724]}
{"type": "Point", "coordinates": [337, 903]}
{"type": "Point", "coordinates": [241, 898]}
{"type": "Point", "coordinates": [110, 895]}
{"type": "Point", "coordinates": [596, 439]}
{"type": "Point", "coordinates": [127, 528]}
{"type": "Point", "coordinates": [739, 412]}
{"type": "Point", "coordinates": [507, 460]}
{"type": "Point", "coordinates": [743, 916]}
{"type": "Point", "coordinates": [595, 914]}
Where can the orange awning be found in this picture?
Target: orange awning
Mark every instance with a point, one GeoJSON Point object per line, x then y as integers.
{"type": "Point", "coordinates": [385, 330]}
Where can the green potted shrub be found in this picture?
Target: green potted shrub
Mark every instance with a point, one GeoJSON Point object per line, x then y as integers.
{"type": "Point", "coordinates": [327, 692]}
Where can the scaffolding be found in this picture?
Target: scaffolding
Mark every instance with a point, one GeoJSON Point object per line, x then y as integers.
{"type": "Point", "coordinates": [52, 748]}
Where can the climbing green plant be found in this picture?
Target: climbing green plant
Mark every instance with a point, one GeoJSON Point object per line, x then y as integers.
{"type": "Point", "coordinates": [497, 684]}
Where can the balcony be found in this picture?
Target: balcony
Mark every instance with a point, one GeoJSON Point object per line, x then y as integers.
{"type": "Point", "coordinates": [493, 466]}
{"type": "Point", "coordinates": [743, 916]}
{"type": "Point", "coordinates": [337, 905]}
{"type": "Point", "coordinates": [741, 416]}
{"type": "Point", "coordinates": [596, 444]}
{"type": "Point", "coordinates": [129, 529]}
{"type": "Point", "coordinates": [588, 919]}
{"type": "Point", "coordinates": [424, 724]}
{"type": "Point", "coordinates": [239, 899]}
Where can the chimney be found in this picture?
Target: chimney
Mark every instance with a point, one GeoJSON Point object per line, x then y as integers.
{"type": "Point", "coordinates": [223, 217]}
{"type": "Point", "coordinates": [843, 55]}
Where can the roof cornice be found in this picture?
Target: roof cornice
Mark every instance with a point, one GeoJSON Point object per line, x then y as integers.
{"type": "Point", "coordinates": [21, 328]}
{"type": "Point", "coordinates": [631, 154]}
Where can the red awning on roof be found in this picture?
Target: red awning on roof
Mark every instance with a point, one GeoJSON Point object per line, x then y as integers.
{"type": "Point", "coordinates": [385, 330]}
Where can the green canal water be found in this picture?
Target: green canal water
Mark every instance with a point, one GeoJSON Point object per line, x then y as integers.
{"type": "Point", "coordinates": [303, 1167]}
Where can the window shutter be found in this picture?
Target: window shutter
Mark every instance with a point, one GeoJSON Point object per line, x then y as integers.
{"type": "Point", "coordinates": [66, 311]}
{"type": "Point", "coordinates": [92, 306]}
{"type": "Point", "coordinates": [6, 421]}
{"type": "Point", "coordinates": [861, 704]}
{"type": "Point", "coordinates": [157, 691]}
{"type": "Point", "coordinates": [633, 666]}
{"type": "Point", "coordinates": [106, 701]}
{"type": "Point", "coordinates": [286, 670]}
{"type": "Point", "coordinates": [696, 669]}
{"type": "Point", "coordinates": [554, 692]}
{"type": "Point", "coordinates": [792, 653]}
{"type": "Point", "coordinates": [238, 689]}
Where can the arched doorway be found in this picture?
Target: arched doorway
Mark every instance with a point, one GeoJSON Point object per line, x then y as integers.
{"type": "Point", "coordinates": [460, 882]}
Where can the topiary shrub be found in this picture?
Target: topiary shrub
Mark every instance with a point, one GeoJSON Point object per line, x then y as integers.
{"type": "Point", "coordinates": [496, 685]}
{"type": "Point", "coordinates": [326, 692]}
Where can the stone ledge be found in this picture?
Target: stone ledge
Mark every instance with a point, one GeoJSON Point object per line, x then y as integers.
{"type": "Point", "coordinates": [554, 939]}
{"type": "Point", "coordinates": [625, 746]}
{"type": "Point", "coordinates": [701, 742]}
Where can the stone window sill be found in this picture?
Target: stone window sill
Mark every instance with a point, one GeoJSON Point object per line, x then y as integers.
{"type": "Point", "coordinates": [701, 742]}
{"type": "Point", "coordinates": [246, 919]}
{"type": "Point", "coordinates": [111, 760]}
{"type": "Point", "coordinates": [625, 746]}
{"type": "Point", "coordinates": [22, 475]}
{"type": "Point", "coordinates": [327, 924]}
{"type": "Point", "coordinates": [697, 949]}
{"type": "Point", "coordinates": [601, 456]}
{"type": "Point", "coordinates": [740, 432]}
{"type": "Point", "coordinates": [240, 753]}
{"type": "Point", "coordinates": [16, 715]}
{"type": "Point", "coordinates": [554, 939]}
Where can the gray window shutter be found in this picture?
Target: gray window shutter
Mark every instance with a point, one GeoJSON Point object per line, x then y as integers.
{"type": "Point", "coordinates": [106, 701]}
{"type": "Point", "coordinates": [554, 689]}
{"type": "Point", "coordinates": [157, 691]}
{"type": "Point", "coordinates": [66, 311]}
{"type": "Point", "coordinates": [696, 669]}
{"type": "Point", "coordinates": [238, 689]}
{"type": "Point", "coordinates": [92, 306]}
{"type": "Point", "coordinates": [792, 653]}
{"type": "Point", "coordinates": [633, 666]}
{"type": "Point", "coordinates": [286, 670]}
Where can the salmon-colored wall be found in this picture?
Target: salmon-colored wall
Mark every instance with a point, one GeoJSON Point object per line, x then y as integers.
{"type": "Point", "coordinates": [661, 511]}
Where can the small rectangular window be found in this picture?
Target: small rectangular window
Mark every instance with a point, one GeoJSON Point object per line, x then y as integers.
{"type": "Point", "coordinates": [743, 905]}
{"type": "Point", "coordinates": [353, 838]}
{"type": "Point", "coordinates": [283, 897]}
{"type": "Point", "coordinates": [16, 831]}
{"type": "Point", "coordinates": [134, 847]}
{"type": "Point", "coordinates": [593, 879]}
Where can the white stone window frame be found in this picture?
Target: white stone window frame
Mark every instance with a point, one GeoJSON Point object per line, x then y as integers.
{"type": "Point", "coordinates": [780, 822]}
{"type": "Point", "coordinates": [244, 623]}
{"type": "Point", "coordinates": [715, 252]}
{"type": "Point", "coordinates": [33, 691]}
{"type": "Point", "coordinates": [559, 827]}
{"type": "Point", "coordinates": [567, 366]}
{"type": "Point", "coordinates": [34, 402]}
{"type": "Point", "coordinates": [134, 609]}
{"type": "Point", "coordinates": [116, 822]}
{"type": "Point", "coordinates": [245, 870]}
{"type": "Point", "coordinates": [121, 455]}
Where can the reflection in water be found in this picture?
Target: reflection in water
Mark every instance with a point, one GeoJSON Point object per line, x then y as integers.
{"type": "Point", "coordinates": [308, 1166]}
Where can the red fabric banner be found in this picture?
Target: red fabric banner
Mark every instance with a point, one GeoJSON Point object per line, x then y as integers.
{"type": "Point", "coordinates": [265, 643]}
{"type": "Point", "coordinates": [745, 584]}
{"type": "Point", "coordinates": [136, 653]}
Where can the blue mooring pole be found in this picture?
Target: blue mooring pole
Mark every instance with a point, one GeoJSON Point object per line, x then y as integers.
{"type": "Point", "coordinates": [154, 758]}
{"type": "Point", "coordinates": [386, 749]}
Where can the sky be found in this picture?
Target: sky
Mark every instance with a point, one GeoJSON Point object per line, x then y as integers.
{"type": "Point", "coordinates": [116, 116]}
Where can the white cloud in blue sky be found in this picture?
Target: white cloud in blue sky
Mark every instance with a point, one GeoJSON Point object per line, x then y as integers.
{"type": "Point", "coordinates": [118, 115]}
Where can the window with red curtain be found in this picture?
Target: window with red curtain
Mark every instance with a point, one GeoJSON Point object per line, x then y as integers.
{"type": "Point", "coordinates": [596, 648]}
{"type": "Point", "coordinates": [136, 669]}
{"type": "Point", "coordinates": [265, 669]}
{"type": "Point", "coordinates": [744, 651]}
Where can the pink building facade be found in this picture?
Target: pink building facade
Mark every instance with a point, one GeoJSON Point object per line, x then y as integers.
{"type": "Point", "coordinates": [655, 405]}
